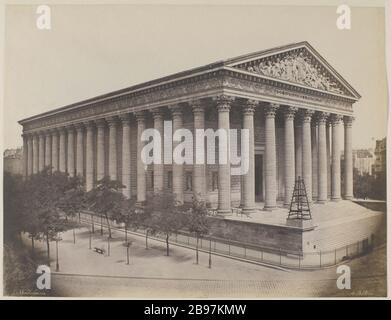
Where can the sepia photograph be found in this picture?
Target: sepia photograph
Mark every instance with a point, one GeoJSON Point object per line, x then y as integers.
{"type": "Point", "coordinates": [195, 150]}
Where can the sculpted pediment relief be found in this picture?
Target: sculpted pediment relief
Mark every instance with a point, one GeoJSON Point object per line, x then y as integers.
{"type": "Point", "coordinates": [297, 66]}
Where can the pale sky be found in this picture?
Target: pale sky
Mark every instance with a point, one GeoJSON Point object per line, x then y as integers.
{"type": "Point", "coordinates": [95, 49]}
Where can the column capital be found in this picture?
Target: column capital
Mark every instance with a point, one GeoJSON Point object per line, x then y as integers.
{"type": "Point", "coordinates": [157, 113]}
{"type": "Point", "coordinates": [47, 133]}
{"type": "Point", "coordinates": [197, 106]}
{"type": "Point", "coordinates": [176, 110]}
{"type": "Point", "coordinates": [70, 128]}
{"type": "Point", "coordinates": [112, 121]}
{"type": "Point", "coordinates": [289, 113]}
{"type": "Point", "coordinates": [100, 123]}
{"type": "Point", "coordinates": [125, 118]}
{"type": "Point", "coordinates": [79, 126]}
{"type": "Point", "coordinates": [271, 109]}
{"type": "Point", "coordinates": [224, 102]}
{"type": "Point", "coordinates": [249, 107]}
{"type": "Point", "coordinates": [41, 133]}
{"type": "Point", "coordinates": [89, 124]}
{"type": "Point", "coordinates": [306, 115]}
{"type": "Point", "coordinates": [140, 116]}
{"type": "Point", "coordinates": [321, 117]}
{"type": "Point", "coordinates": [335, 119]}
{"type": "Point", "coordinates": [348, 121]}
{"type": "Point", "coordinates": [53, 131]}
{"type": "Point", "coordinates": [62, 130]}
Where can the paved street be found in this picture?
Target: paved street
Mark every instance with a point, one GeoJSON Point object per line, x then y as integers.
{"type": "Point", "coordinates": [150, 273]}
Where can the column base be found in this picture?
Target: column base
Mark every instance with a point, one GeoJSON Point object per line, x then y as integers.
{"type": "Point", "coordinates": [321, 201]}
{"type": "Point", "coordinates": [335, 199]}
{"type": "Point", "coordinates": [248, 210]}
{"type": "Point", "coordinates": [269, 208]}
{"type": "Point", "coordinates": [348, 198]}
{"type": "Point", "coordinates": [224, 212]}
{"type": "Point", "coordinates": [140, 204]}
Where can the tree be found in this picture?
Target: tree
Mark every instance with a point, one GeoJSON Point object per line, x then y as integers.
{"type": "Point", "coordinates": [129, 216]}
{"type": "Point", "coordinates": [165, 215]}
{"type": "Point", "coordinates": [13, 205]}
{"type": "Point", "coordinates": [73, 199]}
{"type": "Point", "coordinates": [106, 199]}
{"type": "Point", "coordinates": [42, 214]}
{"type": "Point", "coordinates": [197, 221]}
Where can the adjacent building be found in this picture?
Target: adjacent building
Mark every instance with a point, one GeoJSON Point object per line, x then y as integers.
{"type": "Point", "coordinates": [380, 165]}
{"type": "Point", "coordinates": [13, 161]}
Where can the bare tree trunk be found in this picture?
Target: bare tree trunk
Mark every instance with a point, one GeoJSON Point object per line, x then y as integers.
{"type": "Point", "coordinates": [48, 247]}
{"type": "Point", "coordinates": [168, 247]}
{"type": "Point", "coordinates": [74, 236]}
{"type": "Point", "coordinates": [126, 233]}
{"type": "Point", "coordinates": [32, 245]}
{"type": "Point", "coordinates": [108, 224]}
{"type": "Point", "coordinates": [197, 251]}
{"type": "Point", "coordinates": [146, 239]}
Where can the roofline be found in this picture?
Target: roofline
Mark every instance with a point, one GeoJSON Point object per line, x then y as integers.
{"type": "Point", "coordinates": [219, 65]}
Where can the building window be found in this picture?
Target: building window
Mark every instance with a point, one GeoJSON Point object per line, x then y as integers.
{"type": "Point", "coordinates": [215, 180]}
{"type": "Point", "coordinates": [169, 179]}
{"type": "Point", "coordinates": [189, 181]}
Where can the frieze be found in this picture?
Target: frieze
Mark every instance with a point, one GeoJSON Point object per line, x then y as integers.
{"type": "Point", "coordinates": [268, 89]}
{"type": "Point", "coordinates": [225, 79]}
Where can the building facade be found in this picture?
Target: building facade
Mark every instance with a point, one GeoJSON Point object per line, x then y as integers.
{"type": "Point", "coordinates": [13, 161]}
{"type": "Point", "coordinates": [363, 160]}
{"type": "Point", "coordinates": [293, 103]}
{"type": "Point", "coordinates": [380, 165]}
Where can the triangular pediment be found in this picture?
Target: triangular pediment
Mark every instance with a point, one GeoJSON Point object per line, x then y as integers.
{"type": "Point", "coordinates": [298, 64]}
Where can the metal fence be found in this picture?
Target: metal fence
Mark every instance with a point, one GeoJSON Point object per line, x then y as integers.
{"type": "Point", "coordinates": [251, 252]}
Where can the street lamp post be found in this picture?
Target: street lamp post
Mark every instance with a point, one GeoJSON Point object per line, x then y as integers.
{"type": "Point", "coordinates": [210, 253]}
{"type": "Point", "coordinates": [57, 264]}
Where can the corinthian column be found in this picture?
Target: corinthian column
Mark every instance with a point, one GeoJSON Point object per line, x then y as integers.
{"type": "Point", "coordinates": [158, 168]}
{"type": "Point", "coordinates": [62, 150]}
{"type": "Point", "coordinates": [89, 155]}
{"type": "Point", "coordinates": [322, 157]}
{"type": "Point", "coordinates": [35, 153]}
{"type": "Point", "coordinates": [100, 148]}
{"type": "Point", "coordinates": [71, 151]}
{"type": "Point", "coordinates": [289, 154]}
{"type": "Point", "coordinates": [54, 150]}
{"type": "Point", "coordinates": [126, 156]}
{"type": "Point", "coordinates": [314, 142]}
{"type": "Point", "coordinates": [270, 157]}
{"type": "Point", "coordinates": [141, 167]}
{"type": "Point", "coordinates": [348, 158]}
{"type": "Point", "coordinates": [307, 154]}
{"type": "Point", "coordinates": [29, 155]}
{"type": "Point", "coordinates": [328, 151]}
{"type": "Point", "coordinates": [248, 178]}
{"type": "Point", "coordinates": [177, 168]}
{"type": "Point", "coordinates": [298, 147]}
{"type": "Point", "coordinates": [79, 150]}
{"type": "Point", "coordinates": [198, 168]}
{"type": "Point", "coordinates": [41, 159]}
{"type": "Point", "coordinates": [112, 122]}
{"type": "Point", "coordinates": [25, 155]}
{"type": "Point", "coordinates": [336, 159]}
{"type": "Point", "coordinates": [224, 183]}
{"type": "Point", "coordinates": [48, 150]}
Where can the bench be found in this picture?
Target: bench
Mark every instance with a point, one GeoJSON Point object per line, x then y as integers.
{"type": "Point", "coordinates": [99, 250]}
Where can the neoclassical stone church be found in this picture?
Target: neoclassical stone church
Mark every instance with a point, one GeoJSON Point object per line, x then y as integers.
{"type": "Point", "coordinates": [292, 101]}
